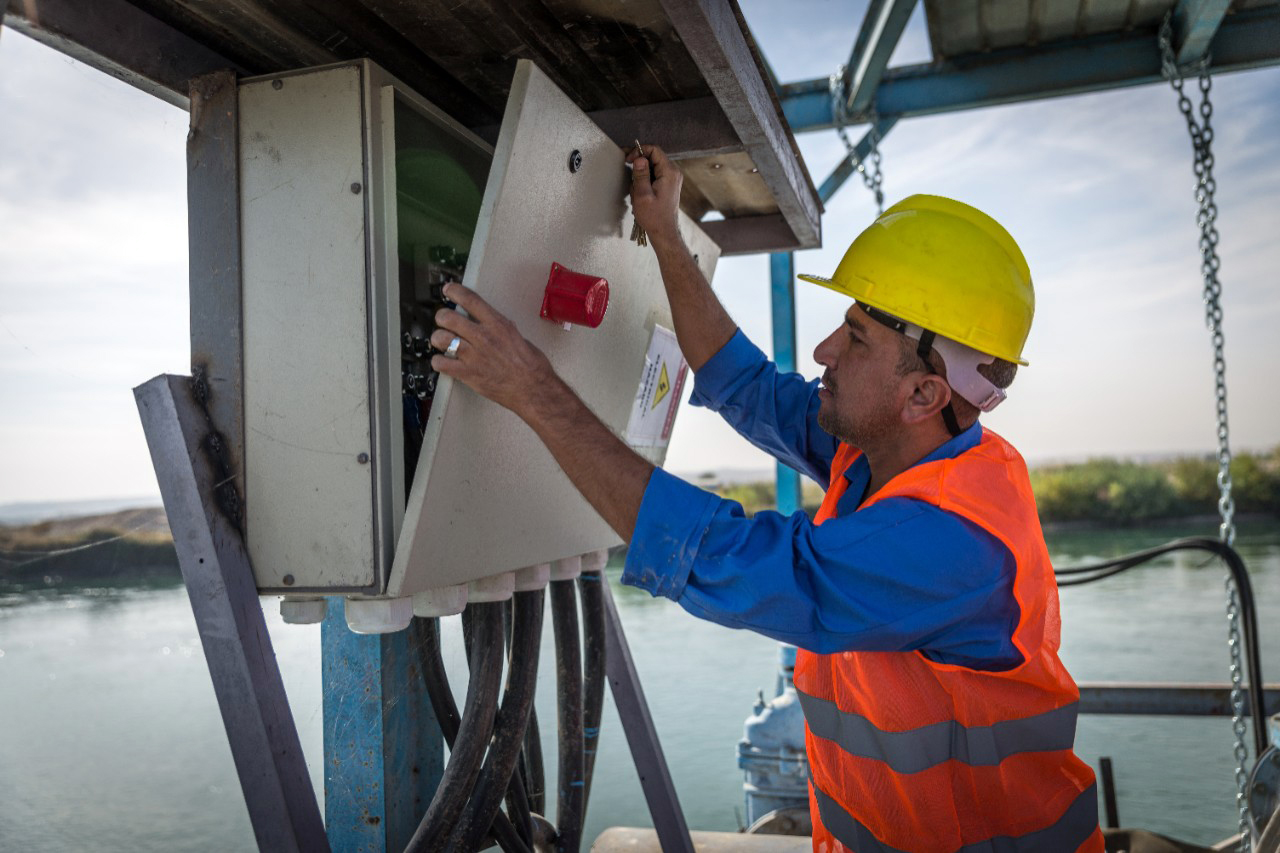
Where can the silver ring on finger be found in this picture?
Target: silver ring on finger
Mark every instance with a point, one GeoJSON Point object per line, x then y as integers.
{"type": "Point", "coordinates": [451, 351]}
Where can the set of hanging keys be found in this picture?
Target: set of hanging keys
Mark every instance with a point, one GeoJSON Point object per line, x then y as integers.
{"type": "Point", "coordinates": [637, 233]}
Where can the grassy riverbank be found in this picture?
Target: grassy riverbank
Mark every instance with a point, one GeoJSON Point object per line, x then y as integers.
{"type": "Point", "coordinates": [135, 544]}
{"type": "Point", "coordinates": [121, 546]}
{"type": "Point", "coordinates": [1112, 492]}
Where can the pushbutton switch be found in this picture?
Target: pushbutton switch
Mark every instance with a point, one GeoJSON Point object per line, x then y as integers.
{"type": "Point", "coordinates": [575, 298]}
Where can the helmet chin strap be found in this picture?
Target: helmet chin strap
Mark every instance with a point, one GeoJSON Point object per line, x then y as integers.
{"type": "Point", "coordinates": [923, 346]}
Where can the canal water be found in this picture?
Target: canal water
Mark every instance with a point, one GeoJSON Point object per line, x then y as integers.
{"type": "Point", "coordinates": [110, 737]}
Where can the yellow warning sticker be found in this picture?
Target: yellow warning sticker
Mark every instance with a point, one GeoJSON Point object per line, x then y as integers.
{"type": "Point", "coordinates": [664, 386]}
{"type": "Point", "coordinates": [653, 411]}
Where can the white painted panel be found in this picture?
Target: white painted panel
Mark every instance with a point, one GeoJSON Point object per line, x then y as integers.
{"type": "Point", "coordinates": [306, 362]}
{"type": "Point", "coordinates": [487, 496]}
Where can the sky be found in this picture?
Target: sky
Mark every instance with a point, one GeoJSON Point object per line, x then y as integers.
{"type": "Point", "coordinates": [1097, 190]}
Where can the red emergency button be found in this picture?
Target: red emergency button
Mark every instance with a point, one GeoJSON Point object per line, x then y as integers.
{"type": "Point", "coordinates": [572, 297]}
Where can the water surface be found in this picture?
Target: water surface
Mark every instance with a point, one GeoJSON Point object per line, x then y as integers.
{"type": "Point", "coordinates": [111, 740]}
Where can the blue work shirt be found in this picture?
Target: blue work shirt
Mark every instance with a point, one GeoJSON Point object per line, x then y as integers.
{"type": "Point", "coordinates": [900, 575]}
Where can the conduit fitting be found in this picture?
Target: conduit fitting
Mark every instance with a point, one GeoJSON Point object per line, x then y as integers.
{"type": "Point", "coordinates": [595, 561]}
{"type": "Point", "coordinates": [303, 611]}
{"type": "Point", "coordinates": [379, 615]}
{"type": "Point", "coordinates": [566, 569]}
{"type": "Point", "coordinates": [533, 578]}
{"type": "Point", "coordinates": [494, 588]}
{"type": "Point", "coordinates": [441, 601]}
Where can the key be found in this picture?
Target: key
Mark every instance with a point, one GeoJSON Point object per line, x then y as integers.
{"type": "Point", "coordinates": [637, 233]}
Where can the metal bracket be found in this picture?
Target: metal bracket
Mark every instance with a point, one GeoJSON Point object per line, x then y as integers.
{"type": "Point", "coordinates": [224, 599]}
{"type": "Point", "coordinates": [642, 737]}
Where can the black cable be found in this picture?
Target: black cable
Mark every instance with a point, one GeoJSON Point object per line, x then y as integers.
{"type": "Point", "coordinates": [513, 716]}
{"type": "Point", "coordinates": [473, 736]}
{"type": "Point", "coordinates": [425, 637]}
{"type": "Point", "coordinates": [533, 772]}
{"type": "Point", "coordinates": [593, 680]}
{"type": "Point", "coordinates": [1244, 592]}
{"type": "Point", "coordinates": [564, 621]}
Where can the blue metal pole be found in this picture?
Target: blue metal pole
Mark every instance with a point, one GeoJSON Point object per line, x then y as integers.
{"type": "Point", "coordinates": [383, 751]}
{"type": "Point", "coordinates": [782, 286]}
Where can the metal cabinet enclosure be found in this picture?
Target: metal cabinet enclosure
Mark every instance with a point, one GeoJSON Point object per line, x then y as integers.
{"type": "Point", "coordinates": [358, 198]}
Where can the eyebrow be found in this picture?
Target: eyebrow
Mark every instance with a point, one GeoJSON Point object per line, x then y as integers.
{"type": "Point", "coordinates": [855, 324]}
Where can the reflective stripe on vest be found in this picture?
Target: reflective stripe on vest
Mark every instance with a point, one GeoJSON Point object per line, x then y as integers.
{"type": "Point", "coordinates": [918, 749]}
{"type": "Point", "coordinates": [1073, 829]}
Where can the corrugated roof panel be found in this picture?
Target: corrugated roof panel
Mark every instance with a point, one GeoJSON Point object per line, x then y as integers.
{"type": "Point", "coordinates": [1004, 22]}
{"type": "Point", "coordinates": [1054, 19]}
{"type": "Point", "coordinates": [958, 27]}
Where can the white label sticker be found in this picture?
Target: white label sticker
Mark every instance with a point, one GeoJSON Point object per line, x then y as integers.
{"type": "Point", "coordinates": [654, 409]}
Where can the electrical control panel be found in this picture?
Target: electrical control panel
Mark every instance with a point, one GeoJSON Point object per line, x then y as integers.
{"type": "Point", "coordinates": [367, 473]}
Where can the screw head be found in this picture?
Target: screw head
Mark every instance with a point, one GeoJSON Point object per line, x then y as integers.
{"type": "Point", "coordinates": [575, 160]}
{"type": "Point", "coordinates": [277, 84]}
{"type": "Point", "coordinates": [355, 188]}
{"type": "Point", "coordinates": [288, 580]}
{"type": "Point", "coordinates": [363, 458]}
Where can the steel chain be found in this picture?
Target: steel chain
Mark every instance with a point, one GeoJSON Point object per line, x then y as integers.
{"type": "Point", "coordinates": [1201, 132]}
{"type": "Point", "coordinates": [872, 178]}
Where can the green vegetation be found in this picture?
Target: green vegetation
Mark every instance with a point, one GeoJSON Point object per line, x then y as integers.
{"type": "Point", "coordinates": [1112, 491]}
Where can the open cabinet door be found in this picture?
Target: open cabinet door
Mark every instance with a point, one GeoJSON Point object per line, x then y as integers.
{"type": "Point", "coordinates": [487, 497]}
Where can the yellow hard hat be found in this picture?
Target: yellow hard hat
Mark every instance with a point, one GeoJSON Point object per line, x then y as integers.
{"type": "Point", "coordinates": [946, 267]}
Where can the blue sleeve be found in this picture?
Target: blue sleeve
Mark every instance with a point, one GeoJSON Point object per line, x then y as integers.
{"type": "Point", "coordinates": [899, 575]}
{"type": "Point", "coordinates": [777, 412]}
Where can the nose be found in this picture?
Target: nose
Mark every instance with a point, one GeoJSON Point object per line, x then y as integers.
{"type": "Point", "coordinates": [828, 351]}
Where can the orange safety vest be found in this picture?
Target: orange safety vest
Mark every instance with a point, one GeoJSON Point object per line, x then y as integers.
{"type": "Point", "coordinates": [906, 754]}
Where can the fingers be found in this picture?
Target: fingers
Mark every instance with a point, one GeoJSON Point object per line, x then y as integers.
{"type": "Point", "coordinates": [455, 323]}
{"type": "Point", "coordinates": [468, 300]}
{"type": "Point", "coordinates": [641, 186]}
{"type": "Point", "coordinates": [442, 338]}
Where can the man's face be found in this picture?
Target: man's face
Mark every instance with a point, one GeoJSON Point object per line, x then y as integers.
{"type": "Point", "coordinates": [862, 386]}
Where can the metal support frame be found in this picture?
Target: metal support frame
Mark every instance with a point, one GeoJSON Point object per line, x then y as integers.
{"type": "Point", "coordinates": [1195, 23]}
{"type": "Point", "coordinates": [213, 240]}
{"type": "Point", "coordinates": [383, 750]}
{"type": "Point", "coordinates": [849, 164]}
{"type": "Point", "coordinates": [1157, 699]}
{"type": "Point", "coordinates": [1247, 39]}
{"type": "Point", "coordinates": [224, 600]}
{"type": "Point", "coordinates": [642, 737]}
{"type": "Point", "coordinates": [782, 287]}
{"type": "Point", "coordinates": [880, 33]}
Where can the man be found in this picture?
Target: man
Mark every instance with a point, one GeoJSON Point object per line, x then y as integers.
{"type": "Point", "coordinates": [938, 716]}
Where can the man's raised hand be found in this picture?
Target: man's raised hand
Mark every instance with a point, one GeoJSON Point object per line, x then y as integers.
{"type": "Point", "coordinates": [655, 194]}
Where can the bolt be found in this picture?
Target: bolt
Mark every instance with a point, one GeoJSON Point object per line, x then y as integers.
{"type": "Point", "coordinates": [288, 580]}
{"type": "Point", "coordinates": [754, 170]}
{"type": "Point", "coordinates": [277, 84]}
{"type": "Point", "coordinates": [355, 188]}
{"type": "Point", "coordinates": [363, 458]}
{"type": "Point", "coordinates": [575, 160]}
{"type": "Point", "coordinates": [715, 165]}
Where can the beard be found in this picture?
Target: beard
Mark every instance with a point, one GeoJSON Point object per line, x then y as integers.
{"type": "Point", "coordinates": [869, 428]}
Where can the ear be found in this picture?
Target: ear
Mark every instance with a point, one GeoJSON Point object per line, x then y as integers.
{"type": "Point", "coordinates": [928, 394]}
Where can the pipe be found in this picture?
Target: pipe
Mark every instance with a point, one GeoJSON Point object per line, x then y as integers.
{"type": "Point", "coordinates": [473, 736]}
{"type": "Point", "coordinates": [564, 621]}
{"type": "Point", "coordinates": [1244, 591]}
{"type": "Point", "coordinates": [513, 716]}
{"type": "Point", "coordinates": [593, 673]}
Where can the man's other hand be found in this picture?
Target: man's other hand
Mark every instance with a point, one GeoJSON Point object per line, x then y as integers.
{"type": "Point", "coordinates": [655, 194]}
{"type": "Point", "coordinates": [492, 357]}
